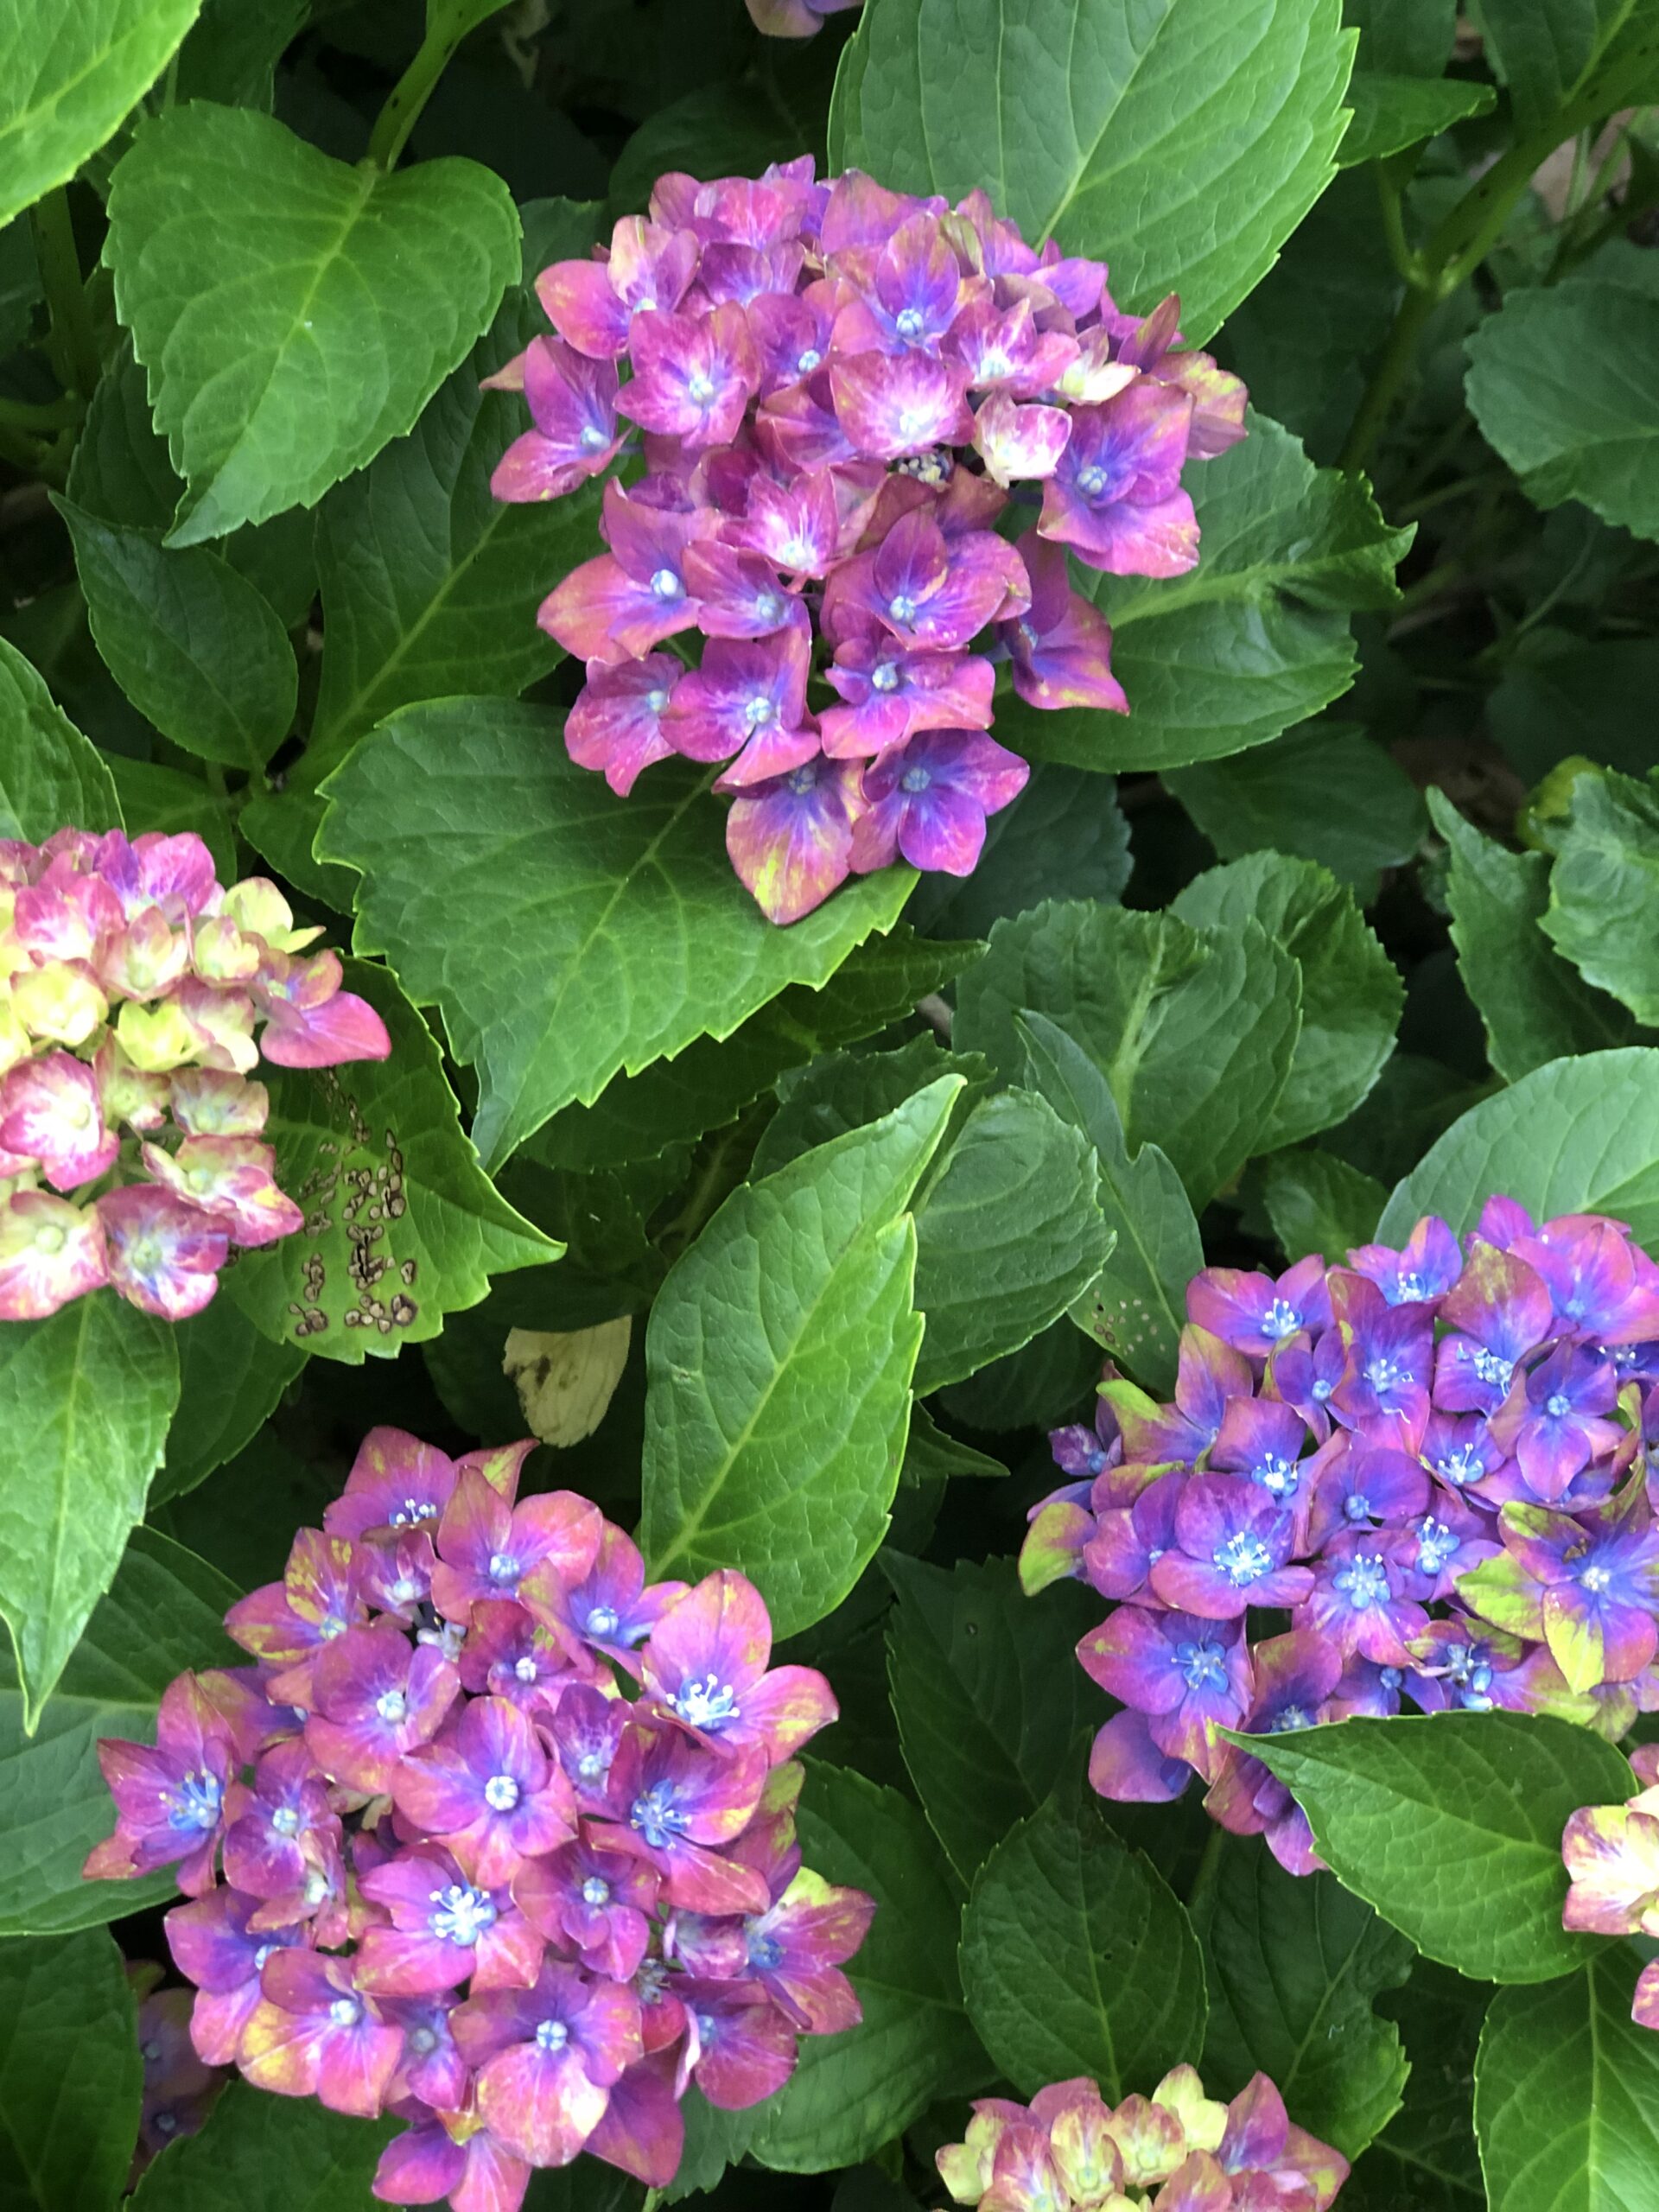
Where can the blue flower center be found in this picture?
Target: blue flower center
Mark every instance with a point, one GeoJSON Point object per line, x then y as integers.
{"type": "Point", "coordinates": [195, 1802]}
{"type": "Point", "coordinates": [603, 1621]}
{"type": "Point", "coordinates": [1201, 1665]}
{"type": "Point", "coordinates": [1463, 1465]}
{"type": "Point", "coordinates": [1281, 1319]}
{"type": "Point", "coordinates": [902, 607]}
{"type": "Point", "coordinates": [501, 1793]}
{"type": "Point", "coordinates": [1409, 1289]}
{"type": "Point", "coordinates": [504, 1568]}
{"type": "Point", "coordinates": [1435, 1545]}
{"type": "Point", "coordinates": [656, 700]}
{"type": "Point", "coordinates": [391, 1706]}
{"type": "Point", "coordinates": [768, 606]}
{"type": "Point", "coordinates": [707, 1703]}
{"type": "Point", "coordinates": [656, 1817]}
{"type": "Point", "coordinates": [1391, 1677]}
{"type": "Point", "coordinates": [411, 1511]}
{"type": "Point", "coordinates": [463, 1915]}
{"type": "Point", "coordinates": [1365, 1582]}
{"type": "Point", "coordinates": [1243, 1559]}
{"type": "Point", "coordinates": [908, 323]}
{"type": "Point", "coordinates": [1357, 1506]}
{"type": "Point", "coordinates": [524, 1668]}
{"type": "Point", "coordinates": [884, 678]}
{"type": "Point", "coordinates": [700, 386]}
{"type": "Point", "coordinates": [1091, 481]}
{"type": "Point", "coordinates": [766, 1952]}
{"type": "Point", "coordinates": [345, 2012]}
{"type": "Point", "coordinates": [758, 712]}
{"type": "Point", "coordinates": [803, 779]}
{"type": "Point", "coordinates": [1276, 1476]}
{"type": "Point", "coordinates": [1557, 1405]}
{"type": "Point", "coordinates": [1489, 1368]}
{"type": "Point", "coordinates": [1289, 1717]}
{"type": "Point", "coordinates": [552, 2035]}
{"type": "Point", "coordinates": [1383, 1374]}
{"type": "Point", "coordinates": [810, 360]}
{"type": "Point", "coordinates": [595, 1892]}
{"type": "Point", "coordinates": [664, 584]}
{"type": "Point", "coordinates": [915, 780]}
{"type": "Point", "coordinates": [593, 439]}
{"type": "Point", "coordinates": [1595, 1580]}
{"type": "Point", "coordinates": [285, 1821]}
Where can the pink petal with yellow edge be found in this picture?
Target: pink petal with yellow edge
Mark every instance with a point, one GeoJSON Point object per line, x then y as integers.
{"type": "Point", "coordinates": [50, 1252]}
{"type": "Point", "coordinates": [599, 612]}
{"type": "Point", "coordinates": [788, 1706]}
{"type": "Point", "coordinates": [1612, 1857]}
{"type": "Point", "coordinates": [1574, 1634]}
{"type": "Point", "coordinates": [791, 840]}
{"type": "Point", "coordinates": [283, 2052]}
{"type": "Point", "coordinates": [541, 2103]}
{"type": "Point", "coordinates": [719, 1626]}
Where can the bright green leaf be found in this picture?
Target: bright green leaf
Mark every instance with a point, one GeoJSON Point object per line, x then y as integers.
{"type": "Point", "coordinates": [1008, 1235]}
{"type": "Point", "coordinates": [1450, 1824]}
{"type": "Point", "coordinates": [1564, 382]}
{"type": "Point", "coordinates": [1575, 1136]}
{"type": "Point", "coordinates": [1318, 1203]}
{"type": "Point", "coordinates": [1391, 113]}
{"type": "Point", "coordinates": [163, 1612]}
{"type": "Point", "coordinates": [195, 647]}
{"type": "Point", "coordinates": [263, 2153]}
{"type": "Point", "coordinates": [779, 1359]}
{"type": "Point", "coordinates": [49, 774]}
{"type": "Point", "coordinates": [1292, 1964]}
{"type": "Point", "coordinates": [851, 2094]}
{"type": "Point", "coordinates": [86, 1398]}
{"type": "Point", "coordinates": [1566, 2094]}
{"type": "Point", "coordinates": [990, 1702]}
{"type": "Point", "coordinates": [566, 934]}
{"type": "Point", "coordinates": [1254, 638]}
{"type": "Point", "coordinates": [1352, 995]}
{"type": "Point", "coordinates": [1532, 1006]}
{"type": "Point", "coordinates": [71, 2077]}
{"type": "Point", "coordinates": [1076, 1957]}
{"type": "Point", "coordinates": [402, 1225]}
{"type": "Point", "coordinates": [293, 313]}
{"type": "Point", "coordinates": [68, 77]}
{"type": "Point", "coordinates": [1138, 1306]}
{"type": "Point", "coordinates": [1181, 142]}
{"type": "Point", "coordinates": [1603, 889]}
{"type": "Point", "coordinates": [1193, 1029]}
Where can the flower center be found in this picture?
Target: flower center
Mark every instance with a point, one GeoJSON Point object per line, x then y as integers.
{"type": "Point", "coordinates": [914, 779]}
{"type": "Point", "coordinates": [901, 607]}
{"type": "Point", "coordinates": [463, 1914]}
{"type": "Point", "coordinates": [1557, 1405]}
{"type": "Point", "coordinates": [664, 584]}
{"type": "Point", "coordinates": [1488, 1367]}
{"type": "Point", "coordinates": [707, 1703]}
{"type": "Point", "coordinates": [1461, 1466]}
{"type": "Point", "coordinates": [1595, 1580]}
{"type": "Point", "coordinates": [801, 780]}
{"type": "Point", "coordinates": [552, 2035]}
{"type": "Point", "coordinates": [593, 439]}
{"type": "Point", "coordinates": [393, 1705]}
{"type": "Point", "coordinates": [1276, 1476]}
{"type": "Point", "coordinates": [1281, 1319]}
{"type": "Point", "coordinates": [1291, 1716]}
{"type": "Point", "coordinates": [501, 1793]}
{"type": "Point", "coordinates": [885, 678]}
{"type": "Point", "coordinates": [1357, 1506]}
{"type": "Point", "coordinates": [196, 1802]}
{"type": "Point", "coordinates": [656, 700]}
{"type": "Point", "coordinates": [1091, 481]}
{"type": "Point", "coordinates": [908, 323]}
{"type": "Point", "coordinates": [1410, 1289]}
{"type": "Point", "coordinates": [765, 1950]}
{"type": "Point", "coordinates": [524, 1668]}
{"type": "Point", "coordinates": [504, 1568]}
{"type": "Point", "coordinates": [768, 607]}
{"type": "Point", "coordinates": [422, 2040]}
{"type": "Point", "coordinates": [655, 1815]}
{"type": "Point", "coordinates": [758, 711]}
{"type": "Point", "coordinates": [810, 360]}
{"type": "Point", "coordinates": [1435, 1545]}
{"type": "Point", "coordinates": [411, 1509]}
{"type": "Point", "coordinates": [285, 1821]}
{"type": "Point", "coordinates": [700, 386]}
{"type": "Point", "coordinates": [595, 1892]}
{"type": "Point", "coordinates": [1365, 1583]}
{"type": "Point", "coordinates": [345, 2012]}
{"type": "Point", "coordinates": [1202, 1665]}
{"type": "Point", "coordinates": [1243, 1559]}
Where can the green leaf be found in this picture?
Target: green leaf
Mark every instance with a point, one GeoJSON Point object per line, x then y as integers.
{"type": "Point", "coordinates": [1051, 1380]}
{"type": "Point", "coordinates": [1138, 1307]}
{"type": "Point", "coordinates": [71, 2077]}
{"type": "Point", "coordinates": [1181, 142]}
{"type": "Point", "coordinates": [566, 934]}
{"type": "Point", "coordinates": [1292, 1964]}
{"type": "Point", "coordinates": [1561, 694]}
{"type": "Point", "coordinates": [1065, 834]}
{"type": "Point", "coordinates": [232, 54]}
{"type": "Point", "coordinates": [1370, 817]}
{"type": "Point", "coordinates": [1408, 38]}
{"type": "Point", "coordinates": [1077, 1958]}
{"type": "Point", "coordinates": [1602, 890]}
{"type": "Point", "coordinates": [86, 1398]}
{"type": "Point", "coordinates": [1008, 1235]}
{"type": "Point", "coordinates": [429, 584]}
{"type": "Point", "coordinates": [231, 1377]}
{"type": "Point", "coordinates": [1352, 996]}
{"type": "Point", "coordinates": [840, 1092]}
{"type": "Point", "coordinates": [779, 1356]}
{"type": "Point", "coordinates": [1450, 1824]}
{"type": "Point", "coordinates": [281, 826]}
{"type": "Point", "coordinates": [708, 1083]}
{"type": "Point", "coordinates": [990, 1699]}
{"type": "Point", "coordinates": [1194, 1029]}
{"type": "Point", "coordinates": [68, 78]}
{"type": "Point", "coordinates": [1566, 2094]}
{"type": "Point", "coordinates": [850, 2093]}
{"type": "Point", "coordinates": [198, 651]}
{"type": "Point", "coordinates": [1532, 1006]}
{"type": "Point", "coordinates": [402, 1225]}
{"type": "Point", "coordinates": [164, 1611]}
{"type": "Point", "coordinates": [1544, 50]}
{"type": "Point", "coordinates": [1565, 384]}
{"type": "Point", "coordinates": [1576, 1136]}
{"type": "Point", "coordinates": [1425, 2156]}
{"type": "Point", "coordinates": [268, 2154]}
{"type": "Point", "coordinates": [724, 130]}
{"type": "Point", "coordinates": [713, 2140]}
{"type": "Point", "coordinates": [293, 313]}
{"type": "Point", "coordinates": [1391, 113]}
{"type": "Point", "coordinates": [155, 797]}
{"type": "Point", "coordinates": [1254, 638]}
{"type": "Point", "coordinates": [1318, 1203]}
{"type": "Point", "coordinates": [49, 774]}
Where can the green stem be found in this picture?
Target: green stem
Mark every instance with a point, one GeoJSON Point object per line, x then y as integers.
{"type": "Point", "coordinates": [448, 22]}
{"type": "Point", "coordinates": [1388, 377]}
{"type": "Point", "coordinates": [40, 419]}
{"type": "Point", "coordinates": [1209, 1867]}
{"type": "Point", "coordinates": [74, 342]}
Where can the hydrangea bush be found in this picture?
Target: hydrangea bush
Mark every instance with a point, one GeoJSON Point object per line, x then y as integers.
{"type": "Point", "coordinates": [818, 752]}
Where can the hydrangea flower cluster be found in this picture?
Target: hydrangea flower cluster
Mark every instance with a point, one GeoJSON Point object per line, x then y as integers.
{"type": "Point", "coordinates": [1613, 1856]}
{"type": "Point", "coordinates": [131, 982]}
{"type": "Point", "coordinates": [873, 426]}
{"type": "Point", "coordinates": [1176, 2151]}
{"type": "Point", "coordinates": [1426, 1469]}
{"type": "Point", "coordinates": [506, 1834]}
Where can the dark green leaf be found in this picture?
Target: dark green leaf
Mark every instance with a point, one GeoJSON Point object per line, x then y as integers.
{"type": "Point", "coordinates": [162, 1613]}
{"type": "Point", "coordinates": [232, 54]}
{"type": "Point", "coordinates": [1576, 1136]}
{"type": "Point", "coordinates": [1411, 38]}
{"type": "Point", "coordinates": [1048, 1382]}
{"type": "Point", "coordinates": [1450, 1824]}
{"type": "Point", "coordinates": [86, 1398]}
{"type": "Point", "coordinates": [1138, 1306]}
{"type": "Point", "coordinates": [1008, 1235]}
{"type": "Point", "coordinates": [281, 825]}
{"type": "Point", "coordinates": [68, 78]}
{"type": "Point", "coordinates": [1255, 639]}
{"type": "Point", "coordinates": [1368, 816]}
{"type": "Point", "coordinates": [1425, 2156]}
{"type": "Point", "coordinates": [1602, 891]}
{"type": "Point", "coordinates": [1077, 1958]}
{"type": "Point", "coordinates": [779, 1355]}
{"type": "Point", "coordinates": [990, 1702]}
{"type": "Point", "coordinates": [1565, 384]}
{"type": "Point", "coordinates": [1318, 1203]}
{"type": "Point", "coordinates": [49, 775]}
{"type": "Point", "coordinates": [155, 797]}
{"type": "Point", "coordinates": [402, 1225]}
{"type": "Point", "coordinates": [1351, 993]}
{"type": "Point", "coordinates": [1181, 143]}
{"type": "Point", "coordinates": [195, 647]}
{"type": "Point", "coordinates": [1391, 113]}
{"type": "Point", "coordinates": [852, 2093]}
{"type": "Point", "coordinates": [840, 1092]}
{"type": "Point", "coordinates": [429, 584]}
{"type": "Point", "coordinates": [231, 1377]}
{"type": "Point", "coordinates": [1544, 50]}
{"type": "Point", "coordinates": [566, 934]}
{"type": "Point", "coordinates": [293, 313]}
{"type": "Point", "coordinates": [1532, 1006]}
{"type": "Point", "coordinates": [1293, 1965]}
{"type": "Point", "coordinates": [1065, 837]}
{"type": "Point", "coordinates": [268, 2154]}
{"type": "Point", "coordinates": [1566, 2094]}
{"type": "Point", "coordinates": [71, 2077]}
{"type": "Point", "coordinates": [1559, 695]}
{"type": "Point", "coordinates": [717, 131]}
{"type": "Point", "coordinates": [1194, 1029]}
